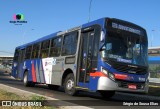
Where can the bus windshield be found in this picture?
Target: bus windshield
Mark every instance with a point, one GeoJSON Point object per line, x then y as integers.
{"type": "Point", "coordinates": [125, 47]}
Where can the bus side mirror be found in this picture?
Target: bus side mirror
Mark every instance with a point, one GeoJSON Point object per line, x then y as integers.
{"type": "Point", "coordinates": [102, 36]}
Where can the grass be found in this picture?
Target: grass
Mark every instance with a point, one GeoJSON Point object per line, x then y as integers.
{"type": "Point", "coordinates": [154, 91]}
{"type": "Point", "coordinates": [35, 97]}
{"type": "Point", "coordinates": [4, 95]}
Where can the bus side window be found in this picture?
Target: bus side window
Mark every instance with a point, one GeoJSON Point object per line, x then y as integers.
{"type": "Point", "coordinates": [22, 55]}
{"type": "Point", "coordinates": [55, 49]}
{"type": "Point", "coordinates": [70, 44]}
{"type": "Point", "coordinates": [35, 52]}
{"type": "Point", "coordinates": [28, 52]}
{"type": "Point", "coordinates": [45, 49]}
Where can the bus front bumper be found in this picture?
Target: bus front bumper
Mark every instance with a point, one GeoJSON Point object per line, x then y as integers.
{"type": "Point", "coordinates": [106, 84]}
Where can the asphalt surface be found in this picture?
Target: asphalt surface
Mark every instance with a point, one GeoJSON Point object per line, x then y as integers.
{"type": "Point", "coordinates": [93, 100]}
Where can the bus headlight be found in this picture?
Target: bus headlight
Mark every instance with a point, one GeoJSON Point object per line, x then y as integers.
{"type": "Point", "coordinates": [111, 76]}
{"type": "Point", "coordinates": [14, 64]}
{"type": "Point", "coordinates": [104, 71]}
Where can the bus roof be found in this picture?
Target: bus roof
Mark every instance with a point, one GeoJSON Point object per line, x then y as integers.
{"type": "Point", "coordinates": [38, 40]}
{"type": "Point", "coordinates": [99, 21]}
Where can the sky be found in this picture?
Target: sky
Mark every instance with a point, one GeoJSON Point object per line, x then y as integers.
{"type": "Point", "coordinates": [48, 16]}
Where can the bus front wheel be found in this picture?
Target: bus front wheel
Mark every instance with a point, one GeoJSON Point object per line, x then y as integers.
{"type": "Point", "coordinates": [69, 85]}
{"type": "Point", "coordinates": [26, 82]}
{"type": "Point", "coordinates": [107, 94]}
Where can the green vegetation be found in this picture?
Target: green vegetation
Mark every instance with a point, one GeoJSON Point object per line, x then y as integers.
{"type": "Point", "coordinates": [154, 70]}
{"type": "Point", "coordinates": [35, 97]}
{"type": "Point", "coordinates": [154, 91]}
{"type": "Point", "coordinates": [4, 95]}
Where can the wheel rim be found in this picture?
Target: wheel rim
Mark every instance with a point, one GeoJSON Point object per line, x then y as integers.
{"type": "Point", "coordinates": [70, 84]}
{"type": "Point", "coordinates": [25, 79]}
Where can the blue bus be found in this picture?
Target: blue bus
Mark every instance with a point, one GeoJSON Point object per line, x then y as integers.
{"type": "Point", "coordinates": [105, 55]}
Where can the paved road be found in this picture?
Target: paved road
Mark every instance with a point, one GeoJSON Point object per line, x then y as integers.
{"type": "Point", "coordinates": [84, 98]}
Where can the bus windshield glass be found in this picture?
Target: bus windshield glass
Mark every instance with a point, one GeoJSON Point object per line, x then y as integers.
{"type": "Point", "coordinates": [127, 47]}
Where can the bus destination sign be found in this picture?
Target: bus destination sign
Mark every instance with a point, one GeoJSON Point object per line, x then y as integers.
{"type": "Point", "coordinates": [125, 28]}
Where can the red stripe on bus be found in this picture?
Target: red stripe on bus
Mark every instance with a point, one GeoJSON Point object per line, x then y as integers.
{"type": "Point", "coordinates": [120, 76]}
{"type": "Point", "coordinates": [33, 73]}
{"type": "Point", "coordinates": [98, 74]}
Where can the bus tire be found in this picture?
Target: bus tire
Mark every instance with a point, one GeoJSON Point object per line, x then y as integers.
{"type": "Point", "coordinates": [69, 85]}
{"type": "Point", "coordinates": [107, 94]}
{"type": "Point", "coordinates": [53, 87]}
{"type": "Point", "coordinates": [26, 82]}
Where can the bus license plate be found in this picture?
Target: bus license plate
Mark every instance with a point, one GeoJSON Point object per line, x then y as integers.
{"type": "Point", "coordinates": [132, 86]}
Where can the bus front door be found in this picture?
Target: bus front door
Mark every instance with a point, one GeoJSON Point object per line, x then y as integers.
{"type": "Point", "coordinates": [86, 55]}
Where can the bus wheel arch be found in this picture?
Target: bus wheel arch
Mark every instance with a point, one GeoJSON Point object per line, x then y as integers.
{"type": "Point", "coordinates": [69, 80]}
{"type": "Point", "coordinates": [66, 72]}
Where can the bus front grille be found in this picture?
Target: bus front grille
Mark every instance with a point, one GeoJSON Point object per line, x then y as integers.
{"type": "Point", "coordinates": [123, 67]}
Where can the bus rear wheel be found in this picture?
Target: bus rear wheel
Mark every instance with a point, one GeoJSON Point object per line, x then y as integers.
{"type": "Point", "coordinates": [26, 82]}
{"type": "Point", "coordinates": [107, 94]}
{"type": "Point", "coordinates": [53, 87]}
{"type": "Point", "coordinates": [69, 85]}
